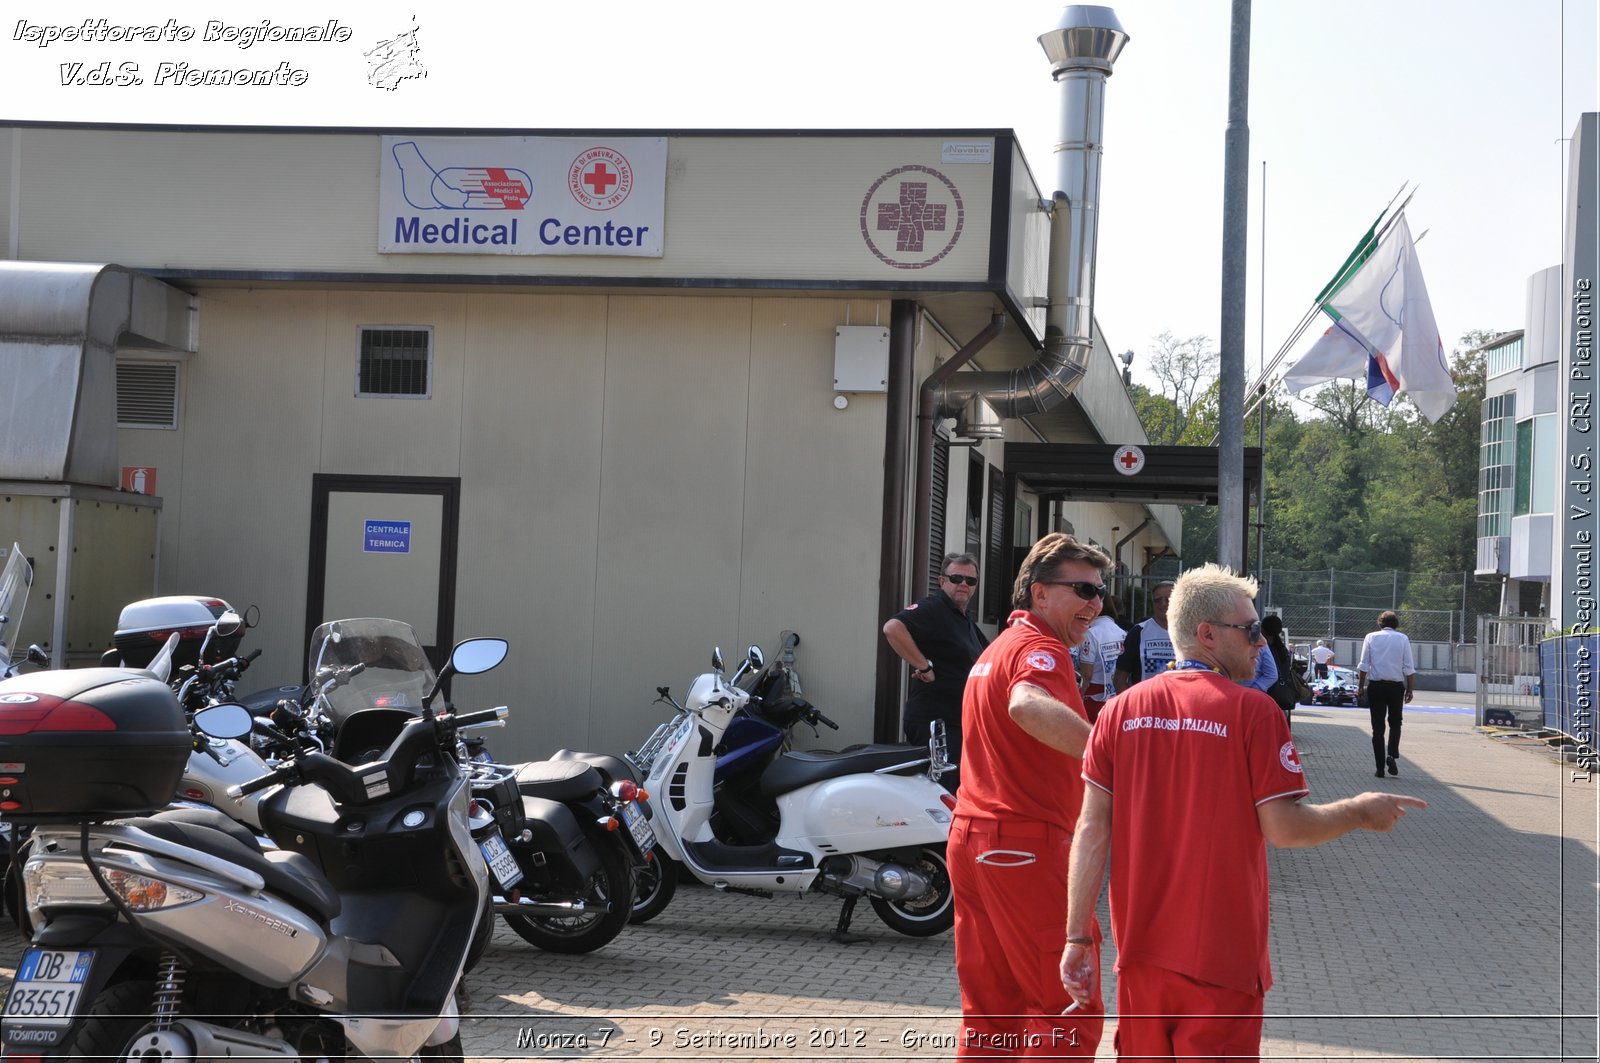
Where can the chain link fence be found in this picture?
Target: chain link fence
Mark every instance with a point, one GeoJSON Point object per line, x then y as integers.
{"type": "Point", "coordinates": [1334, 604]}
{"type": "Point", "coordinates": [1439, 611]}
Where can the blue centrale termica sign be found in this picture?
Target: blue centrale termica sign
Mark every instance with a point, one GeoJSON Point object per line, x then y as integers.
{"type": "Point", "coordinates": [387, 537]}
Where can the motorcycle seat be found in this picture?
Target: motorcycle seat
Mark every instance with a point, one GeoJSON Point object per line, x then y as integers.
{"type": "Point", "coordinates": [558, 780]}
{"type": "Point", "coordinates": [292, 875]}
{"type": "Point", "coordinates": [793, 770]}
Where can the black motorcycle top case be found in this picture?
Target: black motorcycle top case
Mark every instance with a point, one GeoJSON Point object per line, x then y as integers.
{"type": "Point", "coordinates": [88, 742]}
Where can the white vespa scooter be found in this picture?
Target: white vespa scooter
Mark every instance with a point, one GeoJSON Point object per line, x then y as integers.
{"type": "Point", "coordinates": [868, 821]}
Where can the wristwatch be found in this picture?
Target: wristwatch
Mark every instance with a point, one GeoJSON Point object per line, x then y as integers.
{"type": "Point", "coordinates": [925, 668]}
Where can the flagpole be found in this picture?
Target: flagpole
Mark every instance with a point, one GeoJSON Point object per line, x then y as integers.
{"type": "Point", "coordinates": [1261, 401]}
{"type": "Point", "coordinates": [1231, 517]}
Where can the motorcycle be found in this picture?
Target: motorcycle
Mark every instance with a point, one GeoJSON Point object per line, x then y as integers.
{"type": "Point", "coordinates": [868, 821]}
{"type": "Point", "coordinates": [564, 875]}
{"type": "Point", "coordinates": [758, 731]}
{"type": "Point", "coordinates": [173, 935]}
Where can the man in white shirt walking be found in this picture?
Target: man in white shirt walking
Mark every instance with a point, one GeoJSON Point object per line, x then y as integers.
{"type": "Point", "coordinates": [1388, 678]}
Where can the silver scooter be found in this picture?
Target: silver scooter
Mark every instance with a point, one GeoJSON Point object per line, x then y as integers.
{"type": "Point", "coordinates": [174, 935]}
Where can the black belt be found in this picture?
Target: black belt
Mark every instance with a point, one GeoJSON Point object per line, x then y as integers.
{"type": "Point", "coordinates": [1391, 682]}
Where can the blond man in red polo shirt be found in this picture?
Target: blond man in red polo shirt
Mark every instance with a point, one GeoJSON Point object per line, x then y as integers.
{"type": "Point", "coordinates": [1189, 776]}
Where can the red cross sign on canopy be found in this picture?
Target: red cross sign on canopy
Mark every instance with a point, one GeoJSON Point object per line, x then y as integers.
{"type": "Point", "coordinates": [1128, 460]}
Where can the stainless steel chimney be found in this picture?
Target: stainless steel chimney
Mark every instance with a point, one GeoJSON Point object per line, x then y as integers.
{"type": "Point", "coordinates": [1081, 50]}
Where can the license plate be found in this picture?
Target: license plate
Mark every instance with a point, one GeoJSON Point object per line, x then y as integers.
{"type": "Point", "coordinates": [45, 991]}
{"type": "Point", "coordinates": [500, 861]}
{"type": "Point", "coordinates": [639, 827]}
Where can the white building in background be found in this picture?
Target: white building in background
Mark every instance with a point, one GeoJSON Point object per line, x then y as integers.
{"type": "Point", "coordinates": [617, 397]}
{"type": "Point", "coordinates": [1518, 470]}
{"type": "Point", "coordinates": [1537, 511]}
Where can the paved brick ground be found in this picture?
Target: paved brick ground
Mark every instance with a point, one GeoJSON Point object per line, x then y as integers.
{"type": "Point", "coordinates": [1468, 934]}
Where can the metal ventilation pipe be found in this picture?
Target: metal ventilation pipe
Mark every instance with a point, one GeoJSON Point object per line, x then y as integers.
{"type": "Point", "coordinates": [1081, 51]}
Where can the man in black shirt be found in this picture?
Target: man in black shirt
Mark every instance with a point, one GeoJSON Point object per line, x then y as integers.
{"type": "Point", "coordinates": [937, 638]}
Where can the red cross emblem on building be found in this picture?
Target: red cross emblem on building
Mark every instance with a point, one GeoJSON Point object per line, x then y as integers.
{"type": "Point", "coordinates": [921, 207]}
{"type": "Point", "coordinates": [912, 216]}
{"type": "Point", "coordinates": [600, 178]}
{"type": "Point", "coordinates": [1128, 460]}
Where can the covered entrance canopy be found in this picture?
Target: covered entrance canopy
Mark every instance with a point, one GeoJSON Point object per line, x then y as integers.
{"type": "Point", "coordinates": [1100, 472]}
{"type": "Point", "coordinates": [1089, 472]}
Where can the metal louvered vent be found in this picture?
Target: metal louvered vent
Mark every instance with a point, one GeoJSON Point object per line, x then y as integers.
{"type": "Point", "coordinates": [940, 502]}
{"type": "Point", "coordinates": [395, 363]}
{"type": "Point", "coordinates": [997, 586]}
{"type": "Point", "coordinates": [678, 788]}
{"type": "Point", "coordinates": [147, 394]}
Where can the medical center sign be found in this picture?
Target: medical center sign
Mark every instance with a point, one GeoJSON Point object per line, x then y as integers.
{"type": "Point", "coordinates": [522, 196]}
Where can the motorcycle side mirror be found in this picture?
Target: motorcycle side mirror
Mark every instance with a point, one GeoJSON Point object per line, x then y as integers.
{"type": "Point", "coordinates": [756, 658]}
{"type": "Point", "coordinates": [228, 624]}
{"type": "Point", "coordinates": [224, 721]}
{"type": "Point", "coordinates": [252, 616]}
{"type": "Point", "coordinates": [478, 655]}
{"type": "Point", "coordinates": [468, 658]}
{"type": "Point", "coordinates": [36, 654]}
{"type": "Point", "coordinates": [716, 660]}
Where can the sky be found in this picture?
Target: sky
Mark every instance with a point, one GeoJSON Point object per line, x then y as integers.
{"type": "Point", "coordinates": [1468, 102]}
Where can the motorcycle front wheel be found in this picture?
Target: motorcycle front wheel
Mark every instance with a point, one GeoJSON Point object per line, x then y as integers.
{"type": "Point", "coordinates": [611, 885]}
{"type": "Point", "coordinates": [931, 913]}
{"type": "Point", "coordinates": [656, 882]}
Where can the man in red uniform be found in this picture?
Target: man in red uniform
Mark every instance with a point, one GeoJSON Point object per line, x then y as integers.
{"type": "Point", "coordinates": [1190, 775]}
{"type": "Point", "coordinates": [1024, 729]}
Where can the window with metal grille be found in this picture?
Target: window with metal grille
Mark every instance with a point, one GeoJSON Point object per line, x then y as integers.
{"type": "Point", "coordinates": [395, 363]}
{"type": "Point", "coordinates": [147, 394]}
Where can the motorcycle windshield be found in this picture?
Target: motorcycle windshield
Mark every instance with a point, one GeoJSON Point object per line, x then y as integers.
{"type": "Point", "coordinates": [397, 673]}
{"type": "Point", "coordinates": [15, 580]}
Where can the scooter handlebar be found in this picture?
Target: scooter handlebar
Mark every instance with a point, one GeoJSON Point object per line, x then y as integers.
{"type": "Point", "coordinates": [494, 717]}
{"type": "Point", "coordinates": [272, 778]}
{"type": "Point", "coordinates": [826, 722]}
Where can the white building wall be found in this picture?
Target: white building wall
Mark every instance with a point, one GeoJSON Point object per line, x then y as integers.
{"type": "Point", "coordinates": [736, 206]}
{"type": "Point", "coordinates": [642, 477]}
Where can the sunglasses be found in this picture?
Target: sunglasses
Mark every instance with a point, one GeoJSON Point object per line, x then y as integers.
{"type": "Point", "coordinates": [971, 581]}
{"type": "Point", "coordinates": [1252, 630]}
{"type": "Point", "coordinates": [1081, 587]}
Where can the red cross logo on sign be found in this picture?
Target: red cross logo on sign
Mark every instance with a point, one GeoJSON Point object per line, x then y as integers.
{"type": "Point", "coordinates": [600, 178]}
{"type": "Point", "coordinates": [1129, 460]}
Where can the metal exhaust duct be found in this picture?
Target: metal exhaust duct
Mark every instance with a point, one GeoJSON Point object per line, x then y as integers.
{"type": "Point", "coordinates": [1081, 50]}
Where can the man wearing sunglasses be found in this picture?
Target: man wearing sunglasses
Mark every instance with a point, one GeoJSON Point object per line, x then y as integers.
{"type": "Point", "coordinates": [1020, 792]}
{"type": "Point", "coordinates": [1189, 776]}
{"type": "Point", "coordinates": [1148, 648]}
{"type": "Point", "coordinates": [935, 635]}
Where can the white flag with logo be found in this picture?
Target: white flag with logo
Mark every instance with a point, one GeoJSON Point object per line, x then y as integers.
{"type": "Point", "coordinates": [1385, 307]}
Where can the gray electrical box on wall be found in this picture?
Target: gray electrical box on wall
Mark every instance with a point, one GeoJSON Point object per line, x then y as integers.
{"type": "Point", "coordinates": [860, 358]}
